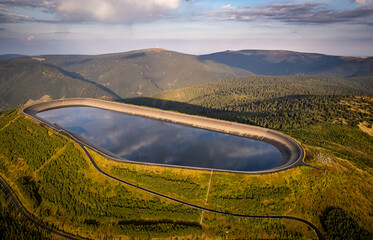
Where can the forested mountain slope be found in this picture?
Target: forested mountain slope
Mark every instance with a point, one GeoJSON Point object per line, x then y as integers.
{"type": "Point", "coordinates": [281, 102]}
{"type": "Point", "coordinates": [145, 72]}
{"type": "Point", "coordinates": [22, 79]}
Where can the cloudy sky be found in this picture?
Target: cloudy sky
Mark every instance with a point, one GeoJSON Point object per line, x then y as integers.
{"type": "Point", "coordinates": [340, 27]}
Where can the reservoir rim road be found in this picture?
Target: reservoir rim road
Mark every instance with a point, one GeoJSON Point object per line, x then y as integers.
{"type": "Point", "coordinates": [292, 152]}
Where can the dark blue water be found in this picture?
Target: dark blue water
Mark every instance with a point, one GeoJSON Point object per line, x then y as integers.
{"type": "Point", "coordinates": [148, 140]}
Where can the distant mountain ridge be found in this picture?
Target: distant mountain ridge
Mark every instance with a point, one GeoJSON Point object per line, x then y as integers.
{"type": "Point", "coordinates": [280, 62]}
{"type": "Point", "coordinates": [150, 71]}
{"type": "Point", "coordinates": [8, 56]}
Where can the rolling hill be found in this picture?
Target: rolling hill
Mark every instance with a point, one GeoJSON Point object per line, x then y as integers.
{"type": "Point", "coordinates": [145, 72]}
{"type": "Point", "coordinates": [150, 71]}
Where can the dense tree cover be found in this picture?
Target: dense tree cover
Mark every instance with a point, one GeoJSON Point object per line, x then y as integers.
{"type": "Point", "coordinates": [227, 92]}
{"type": "Point", "coordinates": [30, 190]}
{"type": "Point", "coordinates": [339, 225]}
{"type": "Point", "coordinates": [273, 102]}
{"type": "Point", "coordinates": [158, 228]}
{"type": "Point", "coordinates": [249, 197]}
{"type": "Point", "coordinates": [13, 225]}
{"type": "Point", "coordinates": [345, 141]}
{"type": "Point", "coordinates": [228, 227]}
{"type": "Point", "coordinates": [93, 199]}
{"type": "Point", "coordinates": [41, 145]}
{"type": "Point", "coordinates": [249, 194]}
{"type": "Point", "coordinates": [188, 188]}
{"type": "Point", "coordinates": [283, 113]}
{"type": "Point", "coordinates": [6, 117]}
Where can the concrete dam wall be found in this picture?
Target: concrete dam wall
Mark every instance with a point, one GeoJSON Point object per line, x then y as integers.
{"type": "Point", "coordinates": [292, 152]}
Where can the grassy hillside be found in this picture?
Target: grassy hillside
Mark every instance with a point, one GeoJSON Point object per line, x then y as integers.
{"type": "Point", "coordinates": [22, 79]}
{"type": "Point", "coordinates": [274, 62]}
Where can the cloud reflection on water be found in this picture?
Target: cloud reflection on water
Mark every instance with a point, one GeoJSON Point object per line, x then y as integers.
{"type": "Point", "coordinates": [147, 140]}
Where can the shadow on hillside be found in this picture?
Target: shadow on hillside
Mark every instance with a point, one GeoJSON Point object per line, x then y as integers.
{"type": "Point", "coordinates": [166, 105]}
{"type": "Point", "coordinates": [199, 110]}
{"type": "Point", "coordinates": [76, 75]}
{"type": "Point", "coordinates": [187, 108]}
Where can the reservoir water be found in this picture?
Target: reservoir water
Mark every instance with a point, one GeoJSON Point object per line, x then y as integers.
{"type": "Point", "coordinates": [147, 140]}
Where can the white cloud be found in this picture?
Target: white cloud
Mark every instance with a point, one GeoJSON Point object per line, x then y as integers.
{"type": "Point", "coordinates": [307, 13]}
{"type": "Point", "coordinates": [106, 11]}
{"type": "Point", "coordinates": [228, 6]}
{"type": "Point", "coordinates": [363, 2]}
{"type": "Point", "coordinates": [30, 38]}
{"type": "Point", "coordinates": [109, 11]}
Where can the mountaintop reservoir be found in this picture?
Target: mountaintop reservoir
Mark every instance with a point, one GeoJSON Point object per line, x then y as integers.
{"type": "Point", "coordinates": [147, 140]}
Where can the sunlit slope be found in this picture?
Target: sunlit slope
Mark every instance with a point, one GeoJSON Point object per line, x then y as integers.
{"type": "Point", "coordinates": [145, 72]}
{"type": "Point", "coordinates": [268, 87]}
{"type": "Point", "coordinates": [282, 102]}
{"type": "Point", "coordinates": [275, 62]}
{"type": "Point", "coordinates": [22, 79]}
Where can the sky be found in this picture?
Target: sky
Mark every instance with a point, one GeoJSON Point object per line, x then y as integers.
{"type": "Point", "coordinates": [336, 27]}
